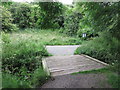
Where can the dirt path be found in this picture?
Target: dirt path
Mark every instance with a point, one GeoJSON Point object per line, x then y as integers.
{"type": "Point", "coordinates": [78, 81]}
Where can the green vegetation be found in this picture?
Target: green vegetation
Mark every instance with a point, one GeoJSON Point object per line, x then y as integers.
{"type": "Point", "coordinates": [21, 60]}
{"type": "Point", "coordinates": [23, 14]}
{"type": "Point", "coordinates": [101, 49]}
{"type": "Point", "coordinates": [45, 37]}
{"type": "Point", "coordinates": [28, 27]}
{"type": "Point", "coordinates": [105, 47]}
{"type": "Point", "coordinates": [72, 23]}
{"type": "Point", "coordinates": [6, 18]}
{"type": "Point", "coordinates": [114, 80]}
{"type": "Point", "coordinates": [51, 11]}
{"type": "Point", "coordinates": [26, 80]}
{"type": "Point", "coordinates": [13, 81]}
{"type": "Point", "coordinates": [103, 70]}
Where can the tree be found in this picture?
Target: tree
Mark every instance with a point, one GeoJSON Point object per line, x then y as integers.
{"type": "Point", "coordinates": [51, 11]}
{"type": "Point", "coordinates": [6, 18]}
{"type": "Point", "coordinates": [102, 16]}
{"type": "Point", "coordinates": [21, 12]}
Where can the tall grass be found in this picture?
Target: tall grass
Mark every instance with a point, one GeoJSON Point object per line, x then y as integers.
{"type": "Point", "coordinates": [45, 37]}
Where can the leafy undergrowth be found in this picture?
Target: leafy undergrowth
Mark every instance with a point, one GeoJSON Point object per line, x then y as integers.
{"type": "Point", "coordinates": [28, 80]}
{"type": "Point", "coordinates": [45, 37]}
{"type": "Point", "coordinates": [21, 62]}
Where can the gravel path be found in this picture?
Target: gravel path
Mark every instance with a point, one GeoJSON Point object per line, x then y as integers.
{"type": "Point", "coordinates": [62, 50]}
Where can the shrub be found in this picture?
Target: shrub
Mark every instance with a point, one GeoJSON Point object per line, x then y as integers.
{"type": "Point", "coordinates": [37, 15]}
{"type": "Point", "coordinates": [22, 53]}
{"type": "Point", "coordinates": [86, 29]}
{"type": "Point", "coordinates": [6, 19]}
{"type": "Point", "coordinates": [72, 23]}
{"type": "Point", "coordinates": [21, 13]}
{"type": "Point", "coordinates": [104, 48]}
{"type": "Point", "coordinates": [51, 11]}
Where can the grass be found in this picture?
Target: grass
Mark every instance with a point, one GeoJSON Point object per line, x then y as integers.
{"type": "Point", "coordinates": [112, 77]}
{"type": "Point", "coordinates": [103, 70]}
{"type": "Point", "coordinates": [45, 37]}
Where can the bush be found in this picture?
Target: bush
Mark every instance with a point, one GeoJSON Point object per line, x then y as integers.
{"type": "Point", "coordinates": [72, 23]}
{"type": "Point", "coordinates": [37, 15]}
{"type": "Point", "coordinates": [21, 13]}
{"type": "Point", "coordinates": [104, 48]}
{"type": "Point", "coordinates": [6, 19]}
{"type": "Point", "coordinates": [51, 10]}
{"type": "Point", "coordinates": [5, 38]}
{"type": "Point", "coordinates": [24, 53]}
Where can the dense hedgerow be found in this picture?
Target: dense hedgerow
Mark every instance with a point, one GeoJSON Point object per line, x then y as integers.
{"type": "Point", "coordinates": [6, 19]}
{"type": "Point", "coordinates": [36, 15]}
{"type": "Point", "coordinates": [22, 15]}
